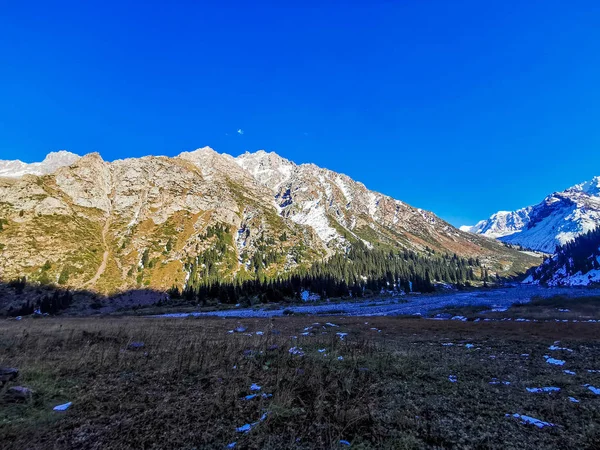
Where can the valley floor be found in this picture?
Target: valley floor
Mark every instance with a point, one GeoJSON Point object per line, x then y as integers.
{"type": "Point", "coordinates": [320, 382]}
{"type": "Point", "coordinates": [405, 305]}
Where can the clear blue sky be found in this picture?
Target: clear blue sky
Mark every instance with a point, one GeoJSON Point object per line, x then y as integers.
{"type": "Point", "coordinates": [459, 107]}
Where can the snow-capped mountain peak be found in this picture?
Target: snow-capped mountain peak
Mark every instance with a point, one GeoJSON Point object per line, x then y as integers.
{"type": "Point", "coordinates": [52, 162]}
{"type": "Point", "coordinates": [558, 219]}
{"type": "Point", "coordinates": [502, 223]}
{"type": "Point", "coordinates": [591, 187]}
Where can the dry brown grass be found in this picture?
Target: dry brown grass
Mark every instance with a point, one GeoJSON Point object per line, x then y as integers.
{"type": "Point", "coordinates": [390, 391]}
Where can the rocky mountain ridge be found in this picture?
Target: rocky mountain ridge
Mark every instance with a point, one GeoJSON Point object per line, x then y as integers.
{"type": "Point", "coordinates": [151, 221]}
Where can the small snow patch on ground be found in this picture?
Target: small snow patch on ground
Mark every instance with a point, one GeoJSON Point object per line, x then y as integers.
{"type": "Point", "coordinates": [296, 351]}
{"type": "Point", "coordinates": [461, 318]}
{"type": "Point", "coordinates": [556, 347]}
{"type": "Point", "coordinates": [63, 407]}
{"type": "Point", "coordinates": [531, 420]}
{"type": "Point", "coordinates": [452, 379]}
{"type": "Point", "coordinates": [595, 390]}
{"type": "Point", "coordinates": [543, 389]}
{"type": "Point", "coordinates": [556, 362]}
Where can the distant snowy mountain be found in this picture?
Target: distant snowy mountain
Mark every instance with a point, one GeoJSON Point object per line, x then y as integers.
{"type": "Point", "coordinates": [503, 223]}
{"type": "Point", "coordinates": [52, 162]}
{"type": "Point", "coordinates": [558, 219]}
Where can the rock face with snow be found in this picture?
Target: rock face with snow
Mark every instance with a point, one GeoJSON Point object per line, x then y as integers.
{"type": "Point", "coordinates": [50, 164]}
{"type": "Point", "coordinates": [342, 210]}
{"type": "Point", "coordinates": [558, 219]}
{"type": "Point", "coordinates": [145, 222]}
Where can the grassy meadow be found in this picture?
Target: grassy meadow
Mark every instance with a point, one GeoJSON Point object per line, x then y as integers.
{"type": "Point", "coordinates": [386, 384]}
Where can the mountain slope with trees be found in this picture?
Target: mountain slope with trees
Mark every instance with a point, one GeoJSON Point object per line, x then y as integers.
{"type": "Point", "coordinates": [158, 222]}
{"type": "Point", "coordinates": [576, 263]}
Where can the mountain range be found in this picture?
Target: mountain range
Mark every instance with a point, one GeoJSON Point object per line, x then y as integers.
{"type": "Point", "coordinates": [109, 226]}
{"type": "Point", "coordinates": [558, 219]}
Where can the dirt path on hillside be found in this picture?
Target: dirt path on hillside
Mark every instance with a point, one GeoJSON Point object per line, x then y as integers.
{"type": "Point", "coordinates": [102, 267]}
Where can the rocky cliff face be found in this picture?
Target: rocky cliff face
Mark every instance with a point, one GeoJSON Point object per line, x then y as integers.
{"type": "Point", "coordinates": [109, 226]}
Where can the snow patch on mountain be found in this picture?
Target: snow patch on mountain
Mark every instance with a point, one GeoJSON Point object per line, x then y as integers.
{"type": "Point", "coordinates": [313, 214]}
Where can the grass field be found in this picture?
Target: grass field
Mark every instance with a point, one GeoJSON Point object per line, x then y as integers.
{"type": "Point", "coordinates": [387, 389]}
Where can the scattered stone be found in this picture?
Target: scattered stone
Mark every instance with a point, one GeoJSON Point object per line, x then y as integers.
{"type": "Point", "coordinates": [573, 400]}
{"type": "Point", "coordinates": [452, 379]}
{"type": "Point", "coordinates": [8, 374]}
{"type": "Point", "coordinates": [569, 372]}
{"type": "Point", "coordinates": [240, 329]}
{"type": "Point", "coordinates": [345, 443]}
{"type": "Point", "coordinates": [18, 394]}
{"type": "Point", "coordinates": [595, 390]}
{"type": "Point", "coordinates": [135, 345]}
{"type": "Point", "coordinates": [255, 387]}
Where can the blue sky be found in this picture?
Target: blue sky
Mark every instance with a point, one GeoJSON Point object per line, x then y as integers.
{"type": "Point", "coordinates": [462, 107]}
